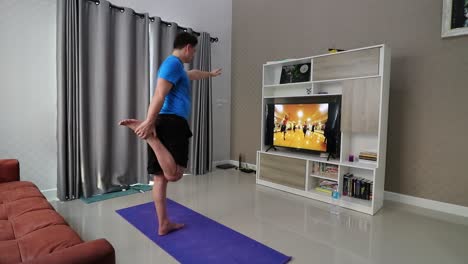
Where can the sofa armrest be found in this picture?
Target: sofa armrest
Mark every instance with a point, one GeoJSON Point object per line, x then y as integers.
{"type": "Point", "coordinates": [9, 170]}
{"type": "Point", "coordinates": [98, 251]}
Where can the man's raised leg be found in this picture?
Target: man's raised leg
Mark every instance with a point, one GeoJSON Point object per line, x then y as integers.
{"type": "Point", "coordinates": [172, 171]}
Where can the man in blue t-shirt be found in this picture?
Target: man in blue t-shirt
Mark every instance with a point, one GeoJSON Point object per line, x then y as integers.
{"type": "Point", "coordinates": [166, 129]}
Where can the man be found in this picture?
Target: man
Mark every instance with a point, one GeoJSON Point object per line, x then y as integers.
{"type": "Point", "coordinates": [166, 129]}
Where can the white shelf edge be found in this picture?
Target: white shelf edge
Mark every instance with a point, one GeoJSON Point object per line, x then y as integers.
{"type": "Point", "coordinates": [323, 177]}
{"type": "Point", "coordinates": [359, 165]}
{"type": "Point", "coordinates": [347, 79]}
{"type": "Point", "coordinates": [281, 62]}
{"type": "Point", "coordinates": [330, 94]}
{"type": "Point", "coordinates": [287, 96]}
{"type": "Point", "coordinates": [308, 95]}
{"type": "Point", "coordinates": [346, 51]}
{"type": "Point", "coordinates": [301, 156]}
{"type": "Point", "coordinates": [287, 84]}
{"type": "Point", "coordinates": [321, 55]}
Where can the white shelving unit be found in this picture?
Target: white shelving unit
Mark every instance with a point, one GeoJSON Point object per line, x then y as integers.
{"type": "Point", "coordinates": [361, 77]}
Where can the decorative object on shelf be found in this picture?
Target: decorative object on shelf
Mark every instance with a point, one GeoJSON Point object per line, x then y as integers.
{"type": "Point", "coordinates": [295, 73]}
{"type": "Point", "coordinates": [308, 91]}
{"type": "Point", "coordinates": [454, 18]}
{"type": "Point", "coordinates": [351, 158]}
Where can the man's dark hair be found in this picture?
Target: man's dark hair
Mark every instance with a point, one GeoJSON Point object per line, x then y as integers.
{"type": "Point", "coordinates": [183, 39]}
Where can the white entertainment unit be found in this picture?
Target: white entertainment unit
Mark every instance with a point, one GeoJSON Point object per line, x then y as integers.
{"type": "Point", "coordinates": [361, 78]}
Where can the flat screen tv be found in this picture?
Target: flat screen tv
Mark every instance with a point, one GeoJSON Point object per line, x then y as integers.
{"type": "Point", "coordinates": [308, 126]}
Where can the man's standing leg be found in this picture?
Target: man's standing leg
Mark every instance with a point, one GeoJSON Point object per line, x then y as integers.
{"type": "Point", "coordinates": [159, 197]}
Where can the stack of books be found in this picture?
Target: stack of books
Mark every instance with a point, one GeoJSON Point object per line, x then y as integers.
{"type": "Point", "coordinates": [325, 169]}
{"type": "Point", "coordinates": [367, 155]}
{"type": "Point", "coordinates": [357, 187]}
{"type": "Point", "coordinates": [326, 186]}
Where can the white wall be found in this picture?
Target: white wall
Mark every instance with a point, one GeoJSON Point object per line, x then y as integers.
{"type": "Point", "coordinates": [214, 17]}
{"type": "Point", "coordinates": [28, 90]}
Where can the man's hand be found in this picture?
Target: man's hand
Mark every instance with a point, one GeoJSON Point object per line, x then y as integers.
{"type": "Point", "coordinates": [145, 129]}
{"type": "Point", "coordinates": [215, 72]}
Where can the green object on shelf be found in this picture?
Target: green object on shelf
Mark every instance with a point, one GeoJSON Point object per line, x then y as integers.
{"type": "Point", "coordinates": [137, 188]}
{"type": "Point", "coordinates": [320, 189]}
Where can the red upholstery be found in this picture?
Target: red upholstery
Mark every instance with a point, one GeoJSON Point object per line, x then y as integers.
{"type": "Point", "coordinates": [31, 231]}
{"type": "Point", "coordinates": [9, 170]}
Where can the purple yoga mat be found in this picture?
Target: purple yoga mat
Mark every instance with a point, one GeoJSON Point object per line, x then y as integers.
{"type": "Point", "coordinates": [202, 240]}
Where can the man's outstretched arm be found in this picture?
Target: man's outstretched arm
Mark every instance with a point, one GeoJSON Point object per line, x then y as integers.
{"type": "Point", "coordinates": [198, 75]}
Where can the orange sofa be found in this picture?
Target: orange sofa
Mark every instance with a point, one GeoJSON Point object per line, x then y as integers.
{"type": "Point", "coordinates": [31, 231]}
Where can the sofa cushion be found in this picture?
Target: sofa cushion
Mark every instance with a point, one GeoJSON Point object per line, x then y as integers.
{"type": "Point", "coordinates": [6, 231]}
{"type": "Point", "coordinates": [47, 240]}
{"type": "Point", "coordinates": [14, 185]}
{"type": "Point", "coordinates": [19, 207]}
{"type": "Point", "coordinates": [20, 193]}
{"type": "Point", "coordinates": [22, 225]}
{"type": "Point", "coordinates": [9, 252]}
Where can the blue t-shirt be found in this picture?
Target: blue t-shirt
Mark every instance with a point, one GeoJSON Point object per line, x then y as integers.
{"type": "Point", "coordinates": [177, 101]}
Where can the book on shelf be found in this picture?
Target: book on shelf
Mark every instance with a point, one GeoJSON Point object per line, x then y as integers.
{"type": "Point", "coordinates": [325, 169]}
{"type": "Point", "coordinates": [357, 187]}
{"type": "Point", "coordinates": [320, 189]}
{"type": "Point", "coordinates": [368, 155]}
{"type": "Point", "coordinates": [326, 186]}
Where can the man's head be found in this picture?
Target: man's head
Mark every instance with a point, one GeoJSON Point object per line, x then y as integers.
{"type": "Point", "coordinates": [185, 44]}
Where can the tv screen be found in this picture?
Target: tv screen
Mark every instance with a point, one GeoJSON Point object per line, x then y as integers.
{"type": "Point", "coordinates": [300, 126]}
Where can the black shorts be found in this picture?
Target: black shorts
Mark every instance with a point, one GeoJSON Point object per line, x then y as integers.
{"type": "Point", "coordinates": [174, 133]}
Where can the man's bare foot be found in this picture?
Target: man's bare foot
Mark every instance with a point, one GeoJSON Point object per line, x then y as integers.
{"type": "Point", "coordinates": [168, 228]}
{"type": "Point", "coordinates": [131, 123]}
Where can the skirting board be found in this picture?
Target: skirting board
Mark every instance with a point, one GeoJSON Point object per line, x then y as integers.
{"type": "Point", "coordinates": [428, 204]}
{"type": "Point", "coordinates": [396, 197]}
{"type": "Point", "coordinates": [50, 194]}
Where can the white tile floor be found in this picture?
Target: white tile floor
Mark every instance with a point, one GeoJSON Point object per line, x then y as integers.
{"type": "Point", "coordinates": [293, 225]}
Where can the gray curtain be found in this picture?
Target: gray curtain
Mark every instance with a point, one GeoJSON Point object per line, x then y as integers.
{"type": "Point", "coordinates": [201, 123]}
{"type": "Point", "coordinates": [103, 76]}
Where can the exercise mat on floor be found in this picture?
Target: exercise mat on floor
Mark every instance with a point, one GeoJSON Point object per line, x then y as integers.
{"type": "Point", "coordinates": [202, 240]}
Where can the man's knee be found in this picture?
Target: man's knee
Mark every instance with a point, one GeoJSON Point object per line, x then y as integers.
{"type": "Point", "coordinates": [174, 177]}
{"type": "Point", "coordinates": [177, 175]}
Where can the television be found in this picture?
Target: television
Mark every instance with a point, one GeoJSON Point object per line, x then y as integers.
{"type": "Point", "coordinates": [311, 125]}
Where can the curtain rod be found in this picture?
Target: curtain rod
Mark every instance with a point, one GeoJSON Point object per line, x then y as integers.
{"type": "Point", "coordinates": [121, 9]}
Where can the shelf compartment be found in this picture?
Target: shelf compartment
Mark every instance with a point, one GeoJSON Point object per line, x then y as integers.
{"type": "Point", "coordinates": [346, 65]}
{"type": "Point", "coordinates": [315, 182]}
{"type": "Point", "coordinates": [328, 88]}
{"type": "Point", "coordinates": [364, 184]}
{"type": "Point", "coordinates": [354, 143]}
{"type": "Point", "coordinates": [324, 170]}
{"type": "Point", "coordinates": [288, 90]}
{"type": "Point", "coordinates": [272, 71]}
